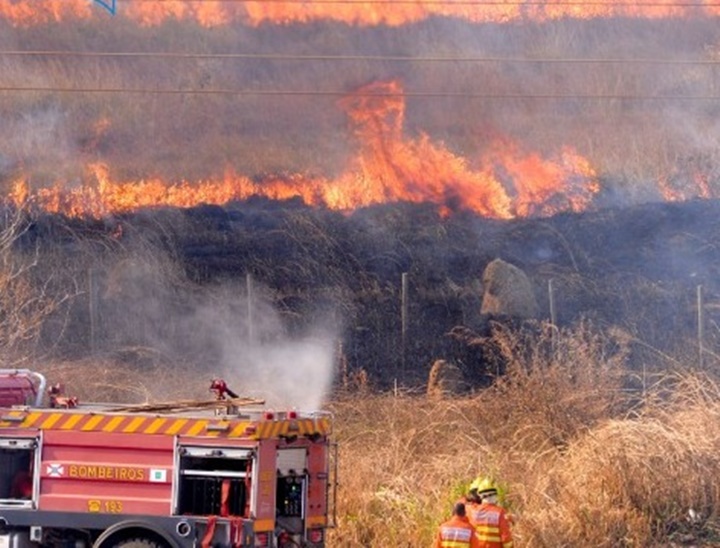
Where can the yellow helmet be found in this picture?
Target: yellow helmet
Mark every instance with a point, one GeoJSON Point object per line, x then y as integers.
{"type": "Point", "coordinates": [483, 486]}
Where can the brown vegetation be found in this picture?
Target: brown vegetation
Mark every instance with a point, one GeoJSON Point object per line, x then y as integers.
{"type": "Point", "coordinates": [445, 380]}
{"type": "Point", "coordinates": [581, 462]}
{"type": "Point", "coordinates": [29, 294]}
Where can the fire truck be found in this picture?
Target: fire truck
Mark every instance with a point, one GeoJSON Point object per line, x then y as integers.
{"type": "Point", "coordinates": [226, 472]}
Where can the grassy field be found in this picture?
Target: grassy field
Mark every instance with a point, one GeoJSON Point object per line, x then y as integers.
{"type": "Point", "coordinates": [647, 479]}
{"type": "Point", "coordinates": [582, 457]}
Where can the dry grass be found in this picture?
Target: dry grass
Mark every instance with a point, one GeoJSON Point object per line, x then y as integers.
{"type": "Point", "coordinates": [622, 482]}
{"type": "Point", "coordinates": [106, 380]}
{"type": "Point", "coordinates": [401, 462]}
{"type": "Point", "coordinates": [580, 461]}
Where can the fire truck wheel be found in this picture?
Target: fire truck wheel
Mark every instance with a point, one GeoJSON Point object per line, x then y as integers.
{"type": "Point", "coordinates": [138, 543]}
{"type": "Point", "coordinates": [133, 534]}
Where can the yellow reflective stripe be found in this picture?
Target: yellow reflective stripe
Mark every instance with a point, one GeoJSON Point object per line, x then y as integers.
{"type": "Point", "coordinates": [92, 423]}
{"type": "Point", "coordinates": [71, 422]}
{"type": "Point", "coordinates": [489, 538]}
{"type": "Point", "coordinates": [488, 533]}
{"type": "Point", "coordinates": [176, 426]}
{"type": "Point", "coordinates": [113, 424]}
{"type": "Point", "coordinates": [51, 420]}
{"type": "Point", "coordinates": [134, 424]}
{"type": "Point", "coordinates": [31, 418]}
{"type": "Point", "coordinates": [454, 544]}
{"type": "Point", "coordinates": [155, 426]}
{"type": "Point", "coordinates": [239, 430]}
{"type": "Point", "coordinates": [196, 428]}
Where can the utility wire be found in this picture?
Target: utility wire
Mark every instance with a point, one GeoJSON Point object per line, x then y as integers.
{"type": "Point", "coordinates": [323, 57]}
{"type": "Point", "coordinates": [449, 3]}
{"type": "Point", "coordinates": [339, 93]}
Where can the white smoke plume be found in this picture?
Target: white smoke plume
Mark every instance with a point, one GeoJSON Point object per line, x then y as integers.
{"type": "Point", "coordinates": [217, 333]}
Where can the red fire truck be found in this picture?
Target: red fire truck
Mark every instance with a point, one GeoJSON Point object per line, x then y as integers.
{"type": "Point", "coordinates": [226, 472]}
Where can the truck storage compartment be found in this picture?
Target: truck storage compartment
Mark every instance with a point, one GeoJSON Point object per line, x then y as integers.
{"type": "Point", "coordinates": [214, 481]}
{"type": "Point", "coordinates": [17, 466]}
{"type": "Point", "coordinates": [291, 489]}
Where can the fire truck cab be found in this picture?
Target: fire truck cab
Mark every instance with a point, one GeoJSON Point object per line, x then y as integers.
{"type": "Point", "coordinates": [217, 473]}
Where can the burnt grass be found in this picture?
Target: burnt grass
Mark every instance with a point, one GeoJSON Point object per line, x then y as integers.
{"type": "Point", "coordinates": [638, 268]}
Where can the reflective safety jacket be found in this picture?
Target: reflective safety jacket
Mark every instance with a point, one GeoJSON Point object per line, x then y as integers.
{"type": "Point", "coordinates": [456, 533]}
{"type": "Point", "coordinates": [492, 526]}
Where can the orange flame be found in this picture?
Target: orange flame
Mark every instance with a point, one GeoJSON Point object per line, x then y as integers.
{"type": "Point", "coordinates": [212, 13]}
{"type": "Point", "coordinates": [678, 187]}
{"type": "Point", "coordinates": [388, 168]}
{"type": "Point", "coordinates": [703, 185]}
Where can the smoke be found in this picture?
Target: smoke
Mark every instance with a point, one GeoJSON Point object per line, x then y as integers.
{"type": "Point", "coordinates": [39, 142]}
{"type": "Point", "coordinates": [255, 353]}
{"type": "Point", "coordinates": [230, 330]}
{"type": "Point", "coordinates": [289, 374]}
{"type": "Point", "coordinates": [38, 136]}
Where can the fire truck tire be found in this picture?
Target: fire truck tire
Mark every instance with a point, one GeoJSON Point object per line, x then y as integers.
{"type": "Point", "coordinates": [138, 543]}
{"type": "Point", "coordinates": [134, 534]}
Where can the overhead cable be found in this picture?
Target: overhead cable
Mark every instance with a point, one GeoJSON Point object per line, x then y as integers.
{"type": "Point", "coordinates": [345, 93]}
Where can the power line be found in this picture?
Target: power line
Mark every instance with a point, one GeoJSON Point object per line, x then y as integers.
{"type": "Point", "coordinates": [324, 57]}
{"type": "Point", "coordinates": [340, 93]}
{"type": "Point", "coordinates": [420, 3]}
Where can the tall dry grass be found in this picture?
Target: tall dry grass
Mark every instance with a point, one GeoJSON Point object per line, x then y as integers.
{"type": "Point", "coordinates": [582, 462]}
{"type": "Point", "coordinates": [644, 480]}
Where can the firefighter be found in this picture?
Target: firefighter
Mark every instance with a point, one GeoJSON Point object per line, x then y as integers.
{"type": "Point", "coordinates": [457, 531]}
{"type": "Point", "coordinates": [491, 522]}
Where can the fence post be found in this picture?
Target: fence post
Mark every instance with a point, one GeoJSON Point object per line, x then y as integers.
{"type": "Point", "coordinates": [553, 318]}
{"type": "Point", "coordinates": [700, 325]}
{"type": "Point", "coordinates": [403, 319]}
{"type": "Point", "coordinates": [92, 310]}
{"type": "Point", "coordinates": [250, 319]}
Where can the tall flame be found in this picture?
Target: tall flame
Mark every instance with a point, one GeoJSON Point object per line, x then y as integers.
{"type": "Point", "coordinates": [212, 13]}
{"type": "Point", "coordinates": [388, 168]}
